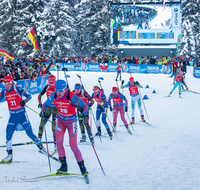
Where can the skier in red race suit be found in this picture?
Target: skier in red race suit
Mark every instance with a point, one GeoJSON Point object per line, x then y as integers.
{"type": "Point", "coordinates": [13, 95]}
{"type": "Point", "coordinates": [118, 106]}
{"type": "Point", "coordinates": [50, 110]}
{"type": "Point", "coordinates": [135, 97]}
{"type": "Point", "coordinates": [66, 103]}
{"type": "Point", "coordinates": [84, 122]}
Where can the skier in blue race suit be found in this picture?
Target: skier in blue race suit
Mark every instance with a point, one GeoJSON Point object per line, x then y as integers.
{"type": "Point", "coordinates": [102, 106]}
{"type": "Point", "coordinates": [18, 117]}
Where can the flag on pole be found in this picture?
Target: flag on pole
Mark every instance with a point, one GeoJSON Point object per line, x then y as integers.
{"type": "Point", "coordinates": [32, 35]}
{"type": "Point", "coordinates": [7, 54]}
{"type": "Point", "coordinates": [33, 78]}
{"type": "Point", "coordinates": [46, 70]}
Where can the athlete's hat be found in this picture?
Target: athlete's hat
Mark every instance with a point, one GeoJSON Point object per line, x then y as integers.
{"type": "Point", "coordinates": [8, 79]}
{"type": "Point", "coordinates": [61, 85]}
{"type": "Point", "coordinates": [131, 79]}
{"type": "Point", "coordinates": [51, 79]}
{"type": "Point", "coordinates": [114, 89]}
{"type": "Point", "coordinates": [77, 86]}
{"type": "Point", "coordinates": [96, 88]}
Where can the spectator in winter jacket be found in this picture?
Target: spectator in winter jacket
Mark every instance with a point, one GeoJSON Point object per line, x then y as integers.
{"type": "Point", "coordinates": [16, 75]}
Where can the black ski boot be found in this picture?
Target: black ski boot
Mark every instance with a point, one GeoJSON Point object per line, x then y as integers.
{"type": "Point", "coordinates": [109, 133]}
{"type": "Point", "coordinates": [83, 139]}
{"type": "Point", "coordinates": [129, 131]}
{"type": "Point", "coordinates": [98, 132]}
{"type": "Point", "coordinates": [83, 171]}
{"type": "Point", "coordinates": [91, 139]}
{"type": "Point", "coordinates": [63, 167]}
{"type": "Point", "coordinates": [8, 159]}
{"type": "Point", "coordinates": [42, 149]}
{"type": "Point", "coordinates": [114, 127]}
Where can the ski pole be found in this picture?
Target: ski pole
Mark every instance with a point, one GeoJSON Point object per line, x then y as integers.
{"type": "Point", "coordinates": [57, 67]}
{"type": "Point", "coordinates": [80, 80]}
{"type": "Point", "coordinates": [94, 150]}
{"type": "Point", "coordinates": [143, 103]}
{"type": "Point", "coordinates": [99, 80]}
{"type": "Point", "coordinates": [109, 121]}
{"type": "Point", "coordinates": [46, 144]}
{"type": "Point", "coordinates": [66, 76]}
{"type": "Point", "coordinates": [95, 122]}
{"type": "Point", "coordinates": [130, 121]}
{"type": "Point", "coordinates": [36, 112]}
{"type": "Point", "coordinates": [26, 143]}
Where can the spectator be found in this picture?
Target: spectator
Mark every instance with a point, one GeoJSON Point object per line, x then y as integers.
{"type": "Point", "coordinates": [16, 75]}
{"type": "Point", "coordinates": [152, 61]}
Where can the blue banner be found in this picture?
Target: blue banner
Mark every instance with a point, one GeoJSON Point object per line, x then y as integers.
{"type": "Point", "coordinates": [93, 67]}
{"type": "Point", "coordinates": [36, 86]}
{"type": "Point", "coordinates": [21, 83]}
{"type": "Point", "coordinates": [111, 67]}
{"type": "Point", "coordinates": [196, 72]}
{"type": "Point", "coordinates": [1, 89]}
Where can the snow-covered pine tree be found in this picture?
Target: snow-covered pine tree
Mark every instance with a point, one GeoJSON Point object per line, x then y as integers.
{"type": "Point", "coordinates": [190, 29]}
{"type": "Point", "coordinates": [57, 19]}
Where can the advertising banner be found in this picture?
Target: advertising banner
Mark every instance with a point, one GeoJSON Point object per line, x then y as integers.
{"type": "Point", "coordinates": [1, 89]}
{"type": "Point", "coordinates": [196, 72]}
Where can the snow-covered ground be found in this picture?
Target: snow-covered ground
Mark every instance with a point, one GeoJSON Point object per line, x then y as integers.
{"type": "Point", "coordinates": [164, 156]}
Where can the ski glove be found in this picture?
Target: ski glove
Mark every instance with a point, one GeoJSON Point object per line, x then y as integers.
{"type": "Point", "coordinates": [39, 105]}
{"type": "Point", "coordinates": [102, 103]}
{"type": "Point", "coordinates": [126, 109]}
{"type": "Point", "coordinates": [122, 82]}
{"type": "Point", "coordinates": [90, 104]}
{"type": "Point", "coordinates": [137, 83]}
{"type": "Point", "coordinates": [111, 109]}
{"type": "Point", "coordinates": [42, 114]}
{"type": "Point", "coordinates": [22, 103]}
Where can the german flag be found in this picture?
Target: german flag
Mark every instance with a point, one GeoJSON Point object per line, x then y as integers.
{"type": "Point", "coordinates": [46, 70]}
{"type": "Point", "coordinates": [32, 35]}
{"type": "Point", "coordinates": [52, 65]}
{"type": "Point", "coordinates": [5, 53]}
{"type": "Point", "coordinates": [33, 78]}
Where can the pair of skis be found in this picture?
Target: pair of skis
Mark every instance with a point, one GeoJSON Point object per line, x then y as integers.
{"type": "Point", "coordinates": [59, 174]}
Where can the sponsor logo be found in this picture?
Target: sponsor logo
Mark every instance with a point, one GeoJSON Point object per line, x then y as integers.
{"type": "Point", "coordinates": [112, 67]}
{"type": "Point", "coordinates": [33, 85]}
{"type": "Point", "coordinates": [153, 68]}
{"type": "Point", "coordinates": [135, 68]}
{"type": "Point", "coordinates": [197, 71]}
{"type": "Point", "coordinates": [69, 66]}
{"type": "Point", "coordinates": [62, 103]}
{"type": "Point", "coordinates": [176, 16]}
{"type": "Point", "coordinates": [93, 66]}
{"type": "Point", "coordinates": [176, 10]}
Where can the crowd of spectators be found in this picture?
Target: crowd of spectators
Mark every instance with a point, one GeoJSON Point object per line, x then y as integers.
{"type": "Point", "coordinates": [26, 67]}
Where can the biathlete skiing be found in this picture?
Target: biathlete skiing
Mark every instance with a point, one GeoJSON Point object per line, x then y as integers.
{"type": "Point", "coordinates": [118, 106]}
{"type": "Point", "coordinates": [50, 110]}
{"type": "Point", "coordinates": [18, 120]}
{"type": "Point", "coordinates": [66, 103]}
{"type": "Point", "coordinates": [135, 97]}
